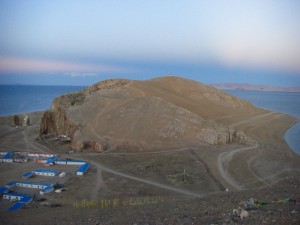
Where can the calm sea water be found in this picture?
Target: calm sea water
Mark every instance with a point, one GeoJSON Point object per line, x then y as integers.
{"type": "Point", "coordinates": [285, 102]}
{"type": "Point", "coordinates": [26, 98]}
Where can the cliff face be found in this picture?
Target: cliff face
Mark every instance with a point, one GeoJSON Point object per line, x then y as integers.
{"type": "Point", "coordinates": [142, 115]}
{"type": "Point", "coordinates": [57, 121]}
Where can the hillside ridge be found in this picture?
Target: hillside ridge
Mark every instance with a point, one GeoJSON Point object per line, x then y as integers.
{"type": "Point", "coordinates": [135, 115]}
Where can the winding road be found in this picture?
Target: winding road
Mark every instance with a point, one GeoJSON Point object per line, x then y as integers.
{"type": "Point", "coordinates": [223, 160]}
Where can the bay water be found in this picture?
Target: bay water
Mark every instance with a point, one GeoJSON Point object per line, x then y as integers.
{"type": "Point", "coordinates": [284, 102]}
{"type": "Point", "coordinates": [16, 99]}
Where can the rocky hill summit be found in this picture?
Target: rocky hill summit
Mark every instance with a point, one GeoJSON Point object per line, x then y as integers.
{"type": "Point", "coordinates": [131, 115]}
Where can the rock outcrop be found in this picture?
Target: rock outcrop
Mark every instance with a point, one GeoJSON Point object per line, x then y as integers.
{"type": "Point", "coordinates": [20, 121]}
{"type": "Point", "coordinates": [15, 121]}
{"type": "Point", "coordinates": [141, 115]}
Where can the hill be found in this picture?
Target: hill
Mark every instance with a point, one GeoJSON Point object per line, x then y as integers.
{"type": "Point", "coordinates": [131, 115]}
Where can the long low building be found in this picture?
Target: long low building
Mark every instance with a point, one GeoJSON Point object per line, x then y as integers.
{"type": "Point", "coordinates": [51, 160]}
{"type": "Point", "coordinates": [3, 190]}
{"type": "Point", "coordinates": [43, 172]}
{"type": "Point", "coordinates": [22, 200]}
{"type": "Point", "coordinates": [69, 162]}
{"type": "Point", "coordinates": [41, 154]}
{"type": "Point", "coordinates": [7, 157]}
{"type": "Point", "coordinates": [27, 175]}
{"type": "Point", "coordinates": [82, 170]}
{"type": "Point", "coordinates": [40, 172]}
{"type": "Point", "coordinates": [44, 187]}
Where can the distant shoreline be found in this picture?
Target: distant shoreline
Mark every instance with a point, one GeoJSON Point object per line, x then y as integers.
{"type": "Point", "coordinates": [250, 87]}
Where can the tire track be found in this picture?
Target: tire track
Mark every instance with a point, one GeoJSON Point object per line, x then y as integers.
{"type": "Point", "coordinates": [224, 158]}
{"type": "Point", "coordinates": [208, 171]}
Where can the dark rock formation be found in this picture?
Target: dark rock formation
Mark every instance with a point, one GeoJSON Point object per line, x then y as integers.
{"type": "Point", "coordinates": [15, 121]}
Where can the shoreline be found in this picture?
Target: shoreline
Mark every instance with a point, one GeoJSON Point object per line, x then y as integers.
{"type": "Point", "coordinates": [290, 135]}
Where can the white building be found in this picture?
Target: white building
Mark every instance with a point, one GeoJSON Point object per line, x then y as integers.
{"type": "Point", "coordinates": [41, 154]}
{"type": "Point", "coordinates": [42, 172]}
{"type": "Point", "coordinates": [22, 200]}
{"type": "Point", "coordinates": [44, 187]}
{"type": "Point", "coordinates": [62, 174]}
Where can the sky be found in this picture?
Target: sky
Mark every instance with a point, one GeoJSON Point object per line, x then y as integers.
{"type": "Point", "coordinates": [73, 42]}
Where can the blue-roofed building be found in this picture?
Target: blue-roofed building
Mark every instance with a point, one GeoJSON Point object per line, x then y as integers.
{"type": "Point", "coordinates": [82, 170]}
{"type": "Point", "coordinates": [3, 190]}
{"type": "Point", "coordinates": [27, 184]}
{"type": "Point", "coordinates": [47, 190]}
{"type": "Point", "coordinates": [61, 161]}
{"type": "Point", "coordinates": [8, 157]}
{"type": "Point", "coordinates": [51, 160]}
{"type": "Point", "coordinates": [76, 162]}
{"type": "Point", "coordinates": [11, 184]}
{"type": "Point", "coordinates": [27, 175]}
{"type": "Point", "coordinates": [22, 200]}
{"type": "Point", "coordinates": [16, 206]}
{"type": "Point", "coordinates": [13, 196]}
{"type": "Point", "coordinates": [43, 172]}
{"type": "Point", "coordinates": [70, 162]}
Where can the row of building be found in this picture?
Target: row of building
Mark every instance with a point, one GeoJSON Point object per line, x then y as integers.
{"type": "Point", "coordinates": [6, 157]}
{"type": "Point", "coordinates": [51, 173]}
{"type": "Point", "coordinates": [21, 199]}
{"type": "Point", "coordinates": [48, 159]}
{"type": "Point", "coordinates": [21, 157]}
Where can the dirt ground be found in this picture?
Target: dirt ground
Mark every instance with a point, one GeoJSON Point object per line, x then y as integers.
{"type": "Point", "coordinates": [192, 185]}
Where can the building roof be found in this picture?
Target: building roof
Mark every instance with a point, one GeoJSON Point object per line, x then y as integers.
{"type": "Point", "coordinates": [28, 174]}
{"type": "Point", "coordinates": [3, 190]}
{"type": "Point", "coordinates": [43, 153]}
{"type": "Point", "coordinates": [32, 183]}
{"type": "Point", "coordinates": [8, 155]}
{"type": "Point", "coordinates": [10, 184]}
{"type": "Point", "coordinates": [51, 159]}
{"type": "Point", "coordinates": [16, 206]}
{"type": "Point", "coordinates": [83, 168]}
{"type": "Point", "coordinates": [47, 188]}
{"type": "Point", "coordinates": [25, 199]}
{"type": "Point", "coordinates": [16, 195]}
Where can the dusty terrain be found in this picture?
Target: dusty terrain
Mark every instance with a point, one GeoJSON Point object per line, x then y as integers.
{"type": "Point", "coordinates": [183, 184]}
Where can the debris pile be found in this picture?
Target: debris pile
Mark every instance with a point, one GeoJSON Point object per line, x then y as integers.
{"type": "Point", "coordinates": [183, 178]}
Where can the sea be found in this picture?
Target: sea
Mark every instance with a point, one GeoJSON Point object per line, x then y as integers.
{"type": "Point", "coordinates": [16, 99]}
{"type": "Point", "coordinates": [284, 102]}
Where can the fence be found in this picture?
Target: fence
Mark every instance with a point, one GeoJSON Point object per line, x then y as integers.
{"type": "Point", "coordinates": [116, 202]}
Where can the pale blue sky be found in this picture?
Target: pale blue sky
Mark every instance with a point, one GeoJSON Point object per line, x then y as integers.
{"type": "Point", "coordinates": [80, 42]}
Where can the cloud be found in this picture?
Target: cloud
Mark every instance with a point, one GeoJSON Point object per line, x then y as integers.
{"type": "Point", "coordinates": [9, 64]}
